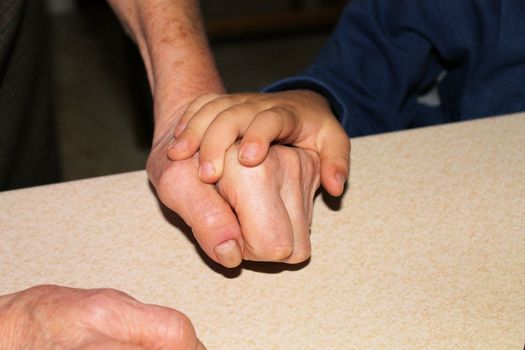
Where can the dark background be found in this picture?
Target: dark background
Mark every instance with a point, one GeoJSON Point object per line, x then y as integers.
{"type": "Point", "coordinates": [102, 102]}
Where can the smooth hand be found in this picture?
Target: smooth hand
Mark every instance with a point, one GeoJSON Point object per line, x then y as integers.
{"type": "Point", "coordinates": [52, 317]}
{"type": "Point", "coordinates": [302, 118]}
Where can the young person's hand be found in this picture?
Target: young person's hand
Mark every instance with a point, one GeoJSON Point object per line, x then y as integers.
{"type": "Point", "coordinates": [301, 118]}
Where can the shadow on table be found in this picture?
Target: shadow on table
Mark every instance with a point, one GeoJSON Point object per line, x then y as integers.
{"type": "Point", "coordinates": [257, 266]}
{"type": "Point", "coordinates": [264, 267]}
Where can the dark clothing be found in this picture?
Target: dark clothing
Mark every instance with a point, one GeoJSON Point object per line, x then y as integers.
{"type": "Point", "coordinates": [28, 152]}
{"type": "Point", "coordinates": [384, 53]}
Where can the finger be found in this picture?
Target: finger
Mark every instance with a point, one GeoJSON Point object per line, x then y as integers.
{"type": "Point", "coordinates": [275, 123]}
{"type": "Point", "coordinates": [222, 132]}
{"type": "Point", "coordinates": [254, 195]}
{"type": "Point", "coordinates": [192, 109]}
{"type": "Point", "coordinates": [211, 218]}
{"type": "Point", "coordinates": [166, 329]}
{"type": "Point", "coordinates": [335, 161]}
{"type": "Point", "coordinates": [268, 232]}
{"type": "Point", "coordinates": [297, 199]}
{"type": "Point", "coordinates": [123, 319]}
{"type": "Point", "coordinates": [189, 140]}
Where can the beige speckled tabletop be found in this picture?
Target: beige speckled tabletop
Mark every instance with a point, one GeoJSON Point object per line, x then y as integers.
{"type": "Point", "coordinates": [426, 251]}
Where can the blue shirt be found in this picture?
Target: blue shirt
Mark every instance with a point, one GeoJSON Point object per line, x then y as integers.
{"type": "Point", "coordinates": [383, 54]}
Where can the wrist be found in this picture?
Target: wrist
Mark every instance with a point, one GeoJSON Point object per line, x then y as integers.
{"type": "Point", "coordinates": [171, 40]}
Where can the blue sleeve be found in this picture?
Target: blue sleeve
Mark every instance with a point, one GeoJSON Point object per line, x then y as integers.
{"type": "Point", "coordinates": [380, 56]}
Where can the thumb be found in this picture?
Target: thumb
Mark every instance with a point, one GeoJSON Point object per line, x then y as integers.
{"type": "Point", "coordinates": [335, 161]}
{"type": "Point", "coordinates": [164, 328]}
{"type": "Point", "coordinates": [210, 217]}
{"type": "Point", "coordinates": [134, 326]}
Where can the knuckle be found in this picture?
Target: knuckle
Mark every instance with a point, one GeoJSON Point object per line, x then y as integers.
{"type": "Point", "coordinates": [275, 113]}
{"type": "Point", "coordinates": [209, 96]}
{"type": "Point", "coordinates": [301, 253]}
{"type": "Point", "coordinates": [204, 98]}
{"type": "Point", "coordinates": [44, 289]}
{"type": "Point", "coordinates": [279, 252]}
{"type": "Point", "coordinates": [219, 103]}
{"type": "Point", "coordinates": [274, 251]}
{"type": "Point", "coordinates": [226, 116]}
{"type": "Point", "coordinates": [100, 303]}
{"type": "Point", "coordinates": [104, 296]}
{"type": "Point", "coordinates": [299, 256]}
{"type": "Point", "coordinates": [199, 102]}
{"type": "Point", "coordinates": [173, 180]}
{"type": "Point", "coordinates": [213, 218]}
{"type": "Point", "coordinates": [179, 328]}
{"type": "Point", "coordinates": [103, 301]}
{"type": "Point", "coordinates": [165, 188]}
{"type": "Point", "coordinates": [262, 173]}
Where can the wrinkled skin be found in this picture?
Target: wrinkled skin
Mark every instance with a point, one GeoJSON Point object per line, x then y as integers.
{"type": "Point", "coordinates": [55, 318]}
{"type": "Point", "coordinates": [273, 202]}
{"type": "Point", "coordinates": [260, 213]}
{"type": "Point", "coordinates": [180, 68]}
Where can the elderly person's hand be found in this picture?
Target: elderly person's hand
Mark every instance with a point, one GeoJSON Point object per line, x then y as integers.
{"type": "Point", "coordinates": [52, 317]}
{"type": "Point", "coordinates": [210, 217]}
{"type": "Point", "coordinates": [261, 213]}
{"type": "Point", "coordinates": [273, 202]}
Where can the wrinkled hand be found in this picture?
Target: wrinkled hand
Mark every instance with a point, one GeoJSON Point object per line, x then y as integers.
{"type": "Point", "coordinates": [272, 203]}
{"type": "Point", "coordinates": [210, 217]}
{"type": "Point", "coordinates": [52, 317]}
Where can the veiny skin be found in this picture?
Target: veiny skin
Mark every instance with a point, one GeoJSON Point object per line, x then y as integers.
{"type": "Point", "coordinates": [56, 318]}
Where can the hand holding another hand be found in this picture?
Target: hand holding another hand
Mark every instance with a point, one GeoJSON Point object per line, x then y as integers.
{"type": "Point", "coordinates": [261, 213]}
{"type": "Point", "coordinates": [273, 202]}
{"type": "Point", "coordinates": [302, 118]}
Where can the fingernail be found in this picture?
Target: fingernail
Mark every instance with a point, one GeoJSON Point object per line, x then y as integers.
{"type": "Point", "coordinates": [206, 168]}
{"type": "Point", "coordinates": [229, 253]}
{"type": "Point", "coordinates": [249, 151]}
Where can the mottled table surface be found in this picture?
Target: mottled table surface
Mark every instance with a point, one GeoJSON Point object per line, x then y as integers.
{"type": "Point", "coordinates": [427, 250]}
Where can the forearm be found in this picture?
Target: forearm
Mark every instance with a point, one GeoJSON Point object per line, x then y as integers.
{"type": "Point", "coordinates": [172, 43]}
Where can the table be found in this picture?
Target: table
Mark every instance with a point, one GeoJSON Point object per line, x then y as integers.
{"type": "Point", "coordinates": [426, 251]}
